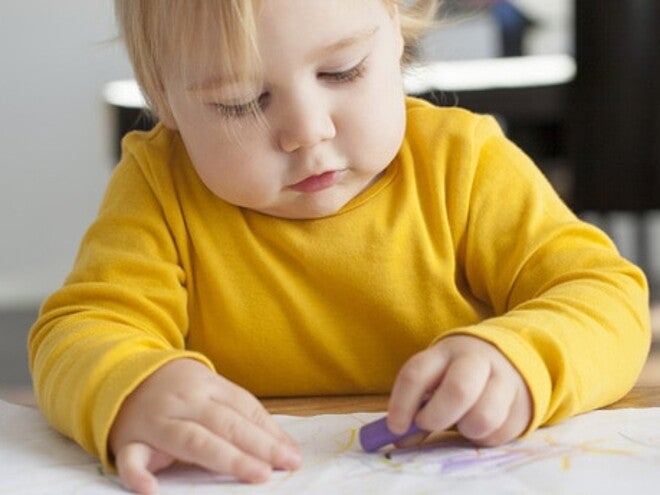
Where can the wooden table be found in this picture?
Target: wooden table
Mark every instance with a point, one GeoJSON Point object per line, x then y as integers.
{"type": "Point", "coordinates": [309, 406]}
{"type": "Point", "coordinates": [648, 396]}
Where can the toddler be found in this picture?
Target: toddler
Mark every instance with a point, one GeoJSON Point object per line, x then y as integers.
{"type": "Point", "coordinates": [295, 225]}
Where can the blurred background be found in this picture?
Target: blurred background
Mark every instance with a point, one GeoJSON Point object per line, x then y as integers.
{"type": "Point", "coordinates": [57, 154]}
{"type": "Point", "coordinates": [590, 121]}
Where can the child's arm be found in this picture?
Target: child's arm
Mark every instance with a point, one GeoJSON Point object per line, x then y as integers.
{"type": "Point", "coordinates": [561, 310]}
{"type": "Point", "coordinates": [465, 382]}
{"type": "Point", "coordinates": [113, 338]}
{"type": "Point", "coordinates": [184, 411]}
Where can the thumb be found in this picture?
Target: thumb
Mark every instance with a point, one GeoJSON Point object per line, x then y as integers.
{"type": "Point", "coordinates": [136, 463]}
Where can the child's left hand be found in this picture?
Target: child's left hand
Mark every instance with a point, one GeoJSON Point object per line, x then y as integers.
{"type": "Point", "coordinates": [465, 382]}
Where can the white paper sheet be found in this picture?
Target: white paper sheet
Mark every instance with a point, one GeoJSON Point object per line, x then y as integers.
{"type": "Point", "coordinates": [603, 452]}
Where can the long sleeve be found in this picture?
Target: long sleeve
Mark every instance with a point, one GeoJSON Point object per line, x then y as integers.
{"type": "Point", "coordinates": [121, 314]}
{"type": "Point", "coordinates": [569, 311]}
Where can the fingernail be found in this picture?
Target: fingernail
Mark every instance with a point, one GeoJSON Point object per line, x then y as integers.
{"type": "Point", "coordinates": [411, 440]}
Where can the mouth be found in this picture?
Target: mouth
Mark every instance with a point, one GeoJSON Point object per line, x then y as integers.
{"type": "Point", "coordinates": [315, 183]}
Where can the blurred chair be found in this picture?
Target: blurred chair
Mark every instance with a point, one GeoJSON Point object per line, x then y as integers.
{"type": "Point", "coordinates": [614, 111]}
{"type": "Point", "coordinates": [615, 105]}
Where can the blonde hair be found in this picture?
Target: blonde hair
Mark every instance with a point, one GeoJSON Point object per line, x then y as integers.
{"type": "Point", "coordinates": [158, 32]}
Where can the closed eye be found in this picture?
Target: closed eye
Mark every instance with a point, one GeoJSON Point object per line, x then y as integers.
{"type": "Point", "coordinates": [240, 110]}
{"type": "Point", "coordinates": [348, 75]}
{"type": "Point", "coordinates": [254, 107]}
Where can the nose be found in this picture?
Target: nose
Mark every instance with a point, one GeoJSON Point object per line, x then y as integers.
{"type": "Point", "coordinates": [305, 123]}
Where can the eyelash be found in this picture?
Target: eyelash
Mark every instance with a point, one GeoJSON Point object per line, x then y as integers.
{"type": "Point", "coordinates": [349, 75]}
{"type": "Point", "coordinates": [242, 109]}
{"type": "Point", "coordinates": [252, 107]}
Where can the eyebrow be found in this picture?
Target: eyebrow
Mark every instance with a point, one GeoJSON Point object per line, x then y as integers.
{"type": "Point", "coordinates": [351, 40]}
{"type": "Point", "coordinates": [354, 39]}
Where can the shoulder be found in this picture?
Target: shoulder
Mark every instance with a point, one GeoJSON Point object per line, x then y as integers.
{"type": "Point", "coordinates": [426, 119]}
{"type": "Point", "coordinates": [156, 143]}
{"type": "Point", "coordinates": [453, 149]}
{"type": "Point", "coordinates": [151, 165]}
{"type": "Point", "coordinates": [458, 137]}
{"type": "Point", "coordinates": [157, 154]}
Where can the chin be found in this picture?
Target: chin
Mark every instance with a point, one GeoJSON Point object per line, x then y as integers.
{"type": "Point", "coordinates": [308, 208]}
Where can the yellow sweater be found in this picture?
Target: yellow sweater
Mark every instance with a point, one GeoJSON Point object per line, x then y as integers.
{"type": "Point", "coordinates": [462, 234]}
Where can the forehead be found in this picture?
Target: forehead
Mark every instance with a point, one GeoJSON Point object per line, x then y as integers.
{"type": "Point", "coordinates": [230, 37]}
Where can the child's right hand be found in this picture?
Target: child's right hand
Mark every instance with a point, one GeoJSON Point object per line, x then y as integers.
{"type": "Point", "coordinates": [186, 412]}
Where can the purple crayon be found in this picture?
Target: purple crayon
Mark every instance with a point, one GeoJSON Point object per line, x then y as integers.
{"type": "Point", "coordinates": [376, 434]}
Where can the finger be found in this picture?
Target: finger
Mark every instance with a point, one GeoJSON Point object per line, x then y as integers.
{"type": "Point", "coordinates": [490, 411]}
{"type": "Point", "coordinates": [249, 436]}
{"type": "Point", "coordinates": [411, 441]}
{"type": "Point", "coordinates": [135, 464]}
{"type": "Point", "coordinates": [193, 443]}
{"type": "Point", "coordinates": [419, 375]}
{"type": "Point", "coordinates": [247, 405]}
{"type": "Point", "coordinates": [515, 424]}
{"type": "Point", "coordinates": [462, 385]}
{"type": "Point", "coordinates": [259, 416]}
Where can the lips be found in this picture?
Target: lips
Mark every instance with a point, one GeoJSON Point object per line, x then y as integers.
{"type": "Point", "coordinates": [319, 182]}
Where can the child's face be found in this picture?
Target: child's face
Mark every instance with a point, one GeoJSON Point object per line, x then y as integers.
{"type": "Point", "coordinates": [332, 98]}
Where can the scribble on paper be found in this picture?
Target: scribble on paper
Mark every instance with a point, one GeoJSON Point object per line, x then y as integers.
{"type": "Point", "coordinates": [449, 455]}
{"type": "Point", "coordinates": [599, 452]}
{"type": "Point", "coordinates": [458, 458]}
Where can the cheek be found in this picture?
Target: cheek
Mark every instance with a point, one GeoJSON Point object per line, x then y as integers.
{"type": "Point", "coordinates": [236, 175]}
{"type": "Point", "coordinates": [228, 161]}
{"type": "Point", "coordinates": [379, 122]}
{"type": "Point", "coordinates": [375, 141]}
{"type": "Point", "coordinates": [222, 171]}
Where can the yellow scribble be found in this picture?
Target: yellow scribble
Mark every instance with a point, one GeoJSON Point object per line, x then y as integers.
{"type": "Point", "coordinates": [352, 434]}
{"type": "Point", "coordinates": [387, 460]}
{"type": "Point", "coordinates": [604, 451]}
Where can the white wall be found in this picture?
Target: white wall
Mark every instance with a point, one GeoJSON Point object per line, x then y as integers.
{"type": "Point", "coordinates": [55, 136]}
